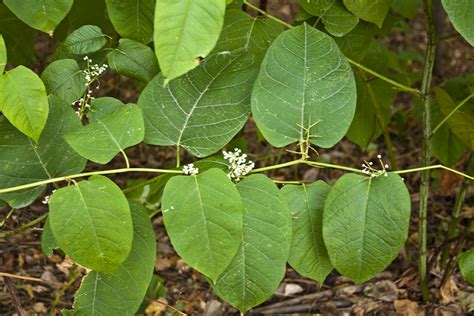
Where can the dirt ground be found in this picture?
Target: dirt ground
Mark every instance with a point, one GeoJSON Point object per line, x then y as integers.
{"type": "Point", "coordinates": [41, 284]}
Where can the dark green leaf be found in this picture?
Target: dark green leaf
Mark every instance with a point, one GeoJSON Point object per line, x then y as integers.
{"type": "Point", "coordinates": [304, 82]}
{"type": "Point", "coordinates": [204, 109]}
{"type": "Point", "coordinates": [64, 79]}
{"type": "Point", "coordinates": [466, 264]}
{"type": "Point", "coordinates": [369, 10]}
{"type": "Point", "coordinates": [48, 243]}
{"type": "Point", "coordinates": [260, 263]}
{"type": "Point", "coordinates": [308, 255]}
{"type": "Point", "coordinates": [365, 223]}
{"type": "Point", "coordinates": [91, 222]}
{"type": "Point", "coordinates": [134, 60]}
{"type": "Point", "coordinates": [86, 39]}
{"type": "Point", "coordinates": [207, 205]}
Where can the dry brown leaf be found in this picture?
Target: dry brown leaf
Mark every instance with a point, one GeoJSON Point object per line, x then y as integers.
{"type": "Point", "coordinates": [407, 308]}
{"type": "Point", "coordinates": [449, 291]}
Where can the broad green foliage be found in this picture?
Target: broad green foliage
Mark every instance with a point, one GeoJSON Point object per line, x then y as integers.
{"type": "Point", "coordinates": [407, 8]}
{"type": "Point", "coordinates": [23, 101]}
{"type": "Point", "coordinates": [84, 40]}
{"type": "Point", "coordinates": [241, 31]}
{"type": "Point", "coordinates": [20, 48]}
{"type": "Point", "coordinates": [42, 15]}
{"type": "Point", "coordinates": [365, 223]}
{"type": "Point", "coordinates": [185, 31]}
{"type": "Point", "coordinates": [461, 14]}
{"type": "Point", "coordinates": [369, 10]}
{"type": "Point", "coordinates": [120, 292]}
{"type": "Point", "coordinates": [337, 20]}
{"type": "Point", "coordinates": [202, 110]}
{"type": "Point", "coordinates": [108, 135]}
{"type": "Point", "coordinates": [91, 223]}
{"type": "Point", "coordinates": [208, 207]}
{"type": "Point", "coordinates": [260, 263]}
{"type": "Point", "coordinates": [466, 264]}
{"type": "Point", "coordinates": [132, 19]}
{"type": "Point", "coordinates": [64, 79]}
{"type": "Point", "coordinates": [24, 162]}
{"type": "Point", "coordinates": [462, 121]}
{"type": "Point", "coordinates": [3, 55]}
{"type": "Point", "coordinates": [308, 255]}
{"type": "Point", "coordinates": [304, 82]}
{"type": "Point", "coordinates": [48, 243]}
{"type": "Point", "coordinates": [134, 60]}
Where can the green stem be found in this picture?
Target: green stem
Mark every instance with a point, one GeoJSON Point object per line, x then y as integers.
{"type": "Point", "coordinates": [86, 174]}
{"type": "Point", "coordinates": [178, 156]}
{"type": "Point", "coordinates": [278, 166]}
{"type": "Point", "coordinates": [25, 226]}
{"type": "Point", "coordinates": [434, 167]}
{"type": "Point", "coordinates": [127, 162]}
{"type": "Point", "coordinates": [265, 13]}
{"type": "Point", "coordinates": [425, 176]}
{"type": "Point", "coordinates": [451, 113]}
{"type": "Point", "coordinates": [2, 223]}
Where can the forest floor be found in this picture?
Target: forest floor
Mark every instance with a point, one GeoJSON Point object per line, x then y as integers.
{"type": "Point", "coordinates": [49, 282]}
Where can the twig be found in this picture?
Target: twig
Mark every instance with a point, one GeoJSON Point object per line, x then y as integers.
{"type": "Point", "coordinates": [15, 300]}
{"type": "Point", "coordinates": [28, 278]}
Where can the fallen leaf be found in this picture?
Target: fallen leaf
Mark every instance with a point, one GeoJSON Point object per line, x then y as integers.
{"type": "Point", "coordinates": [449, 291]}
{"type": "Point", "coordinates": [407, 308]}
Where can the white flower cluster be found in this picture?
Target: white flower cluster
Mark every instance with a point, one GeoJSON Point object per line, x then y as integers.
{"type": "Point", "coordinates": [46, 198]}
{"type": "Point", "coordinates": [93, 70]}
{"type": "Point", "coordinates": [369, 169]}
{"type": "Point", "coordinates": [189, 169]}
{"type": "Point", "coordinates": [238, 164]}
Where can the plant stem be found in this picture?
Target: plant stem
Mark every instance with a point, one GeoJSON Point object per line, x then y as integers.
{"type": "Point", "coordinates": [25, 226]}
{"type": "Point", "coordinates": [400, 86]}
{"type": "Point", "coordinates": [451, 113]}
{"type": "Point", "coordinates": [434, 167]}
{"type": "Point", "coordinates": [86, 174]}
{"type": "Point", "coordinates": [425, 176]}
{"type": "Point", "coordinates": [178, 156]}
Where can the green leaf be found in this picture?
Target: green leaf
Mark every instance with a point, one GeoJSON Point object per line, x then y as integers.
{"type": "Point", "coordinates": [204, 109]}
{"type": "Point", "coordinates": [357, 43]}
{"type": "Point", "coordinates": [185, 31]}
{"type": "Point", "coordinates": [373, 112]}
{"type": "Point", "coordinates": [103, 106]}
{"type": "Point", "coordinates": [308, 255]}
{"type": "Point", "coordinates": [120, 292]}
{"type": "Point", "coordinates": [102, 139]}
{"type": "Point", "coordinates": [25, 162]}
{"type": "Point", "coordinates": [466, 264]}
{"type": "Point", "coordinates": [206, 206]}
{"type": "Point", "coordinates": [86, 39]}
{"type": "Point", "coordinates": [64, 79]}
{"type": "Point", "coordinates": [461, 15]}
{"type": "Point", "coordinates": [373, 11]}
{"type": "Point", "coordinates": [3, 54]}
{"type": "Point", "coordinates": [242, 31]}
{"type": "Point", "coordinates": [407, 8]}
{"type": "Point", "coordinates": [132, 19]}
{"type": "Point", "coordinates": [91, 222]}
{"type": "Point", "coordinates": [48, 243]}
{"type": "Point", "coordinates": [365, 223]}
{"type": "Point", "coordinates": [304, 81]}
{"type": "Point", "coordinates": [260, 263]}
{"type": "Point", "coordinates": [337, 20]}
{"type": "Point", "coordinates": [42, 15]}
{"type": "Point", "coordinates": [19, 48]}
{"type": "Point", "coordinates": [462, 121]}
{"type": "Point", "coordinates": [134, 60]}
{"type": "Point", "coordinates": [23, 101]}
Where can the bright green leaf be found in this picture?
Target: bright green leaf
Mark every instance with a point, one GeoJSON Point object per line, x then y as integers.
{"type": "Point", "coordinates": [462, 121]}
{"type": "Point", "coordinates": [373, 11]}
{"type": "Point", "coordinates": [304, 81]}
{"type": "Point", "coordinates": [42, 15]}
{"type": "Point", "coordinates": [260, 263]}
{"type": "Point", "coordinates": [203, 217]}
{"type": "Point", "coordinates": [134, 60]}
{"type": "Point", "coordinates": [3, 54]}
{"type": "Point", "coordinates": [102, 139]}
{"type": "Point", "coordinates": [204, 109]}
{"type": "Point", "coordinates": [466, 264]}
{"type": "Point", "coordinates": [23, 101]}
{"type": "Point", "coordinates": [120, 292]}
{"type": "Point", "coordinates": [407, 8]}
{"type": "Point", "coordinates": [337, 20]}
{"type": "Point", "coordinates": [185, 31]}
{"type": "Point", "coordinates": [132, 19]}
{"type": "Point", "coordinates": [91, 222]}
{"type": "Point", "coordinates": [48, 243]}
{"type": "Point", "coordinates": [461, 14]}
{"type": "Point", "coordinates": [25, 162]}
{"type": "Point", "coordinates": [102, 107]}
{"type": "Point", "coordinates": [242, 31]}
{"type": "Point", "coordinates": [64, 79]}
{"type": "Point", "coordinates": [86, 39]}
{"type": "Point", "coordinates": [308, 255]}
{"type": "Point", "coordinates": [365, 223]}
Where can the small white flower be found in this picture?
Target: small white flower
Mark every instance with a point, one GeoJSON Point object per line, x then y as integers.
{"type": "Point", "coordinates": [379, 156]}
{"type": "Point", "coordinates": [238, 164]}
{"type": "Point", "coordinates": [189, 169]}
